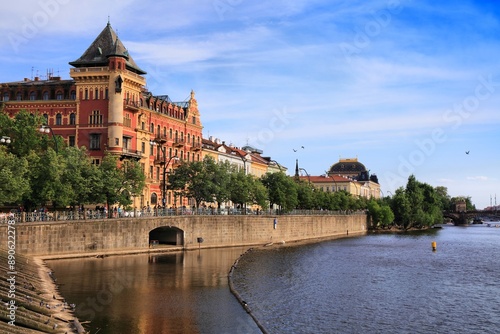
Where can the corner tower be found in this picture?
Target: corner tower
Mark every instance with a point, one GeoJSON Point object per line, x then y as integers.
{"type": "Point", "coordinates": [106, 79]}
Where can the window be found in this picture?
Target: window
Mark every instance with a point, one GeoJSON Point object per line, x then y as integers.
{"type": "Point", "coordinates": [6, 97]}
{"type": "Point", "coordinates": [58, 119]}
{"type": "Point", "coordinates": [71, 141]}
{"type": "Point", "coordinates": [106, 92]}
{"type": "Point", "coordinates": [96, 96]}
{"type": "Point", "coordinates": [73, 95]}
{"type": "Point", "coordinates": [194, 120]}
{"type": "Point", "coordinates": [152, 128]}
{"type": "Point", "coordinates": [95, 118]}
{"type": "Point", "coordinates": [170, 133]}
{"type": "Point", "coordinates": [19, 96]}
{"type": "Point", "coordinates": [45, 96]}
{"type": "Point", "coordinates": [72, 119]}
{"type": "Point", "coordinates": [154, 199]}
{"type": "Point", "coordinates": [86, 94]}
{"type": "Point", "coordinates": [150, 172]}
{"type": "Point", "coordinates": [95, 141]}
{"type": "Point", "coordinates": [59, 96]}
{"type": "Point", "coordinates": [158, 173]}
{"type": "Point", "coordinates": [95, 162]}
{"type": "Point", "coordinates": [32, 96]}
{"type": "Point", "coordinates": [151, 149]}
{"type": "Point", "coordinates": [143, 147]}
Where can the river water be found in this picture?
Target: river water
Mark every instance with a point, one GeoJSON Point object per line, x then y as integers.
{"type": "Point", "coordinates": [380, 283]}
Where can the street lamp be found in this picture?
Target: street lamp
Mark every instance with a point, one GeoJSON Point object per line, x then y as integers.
{"type": "Point", "coordinates": [5, 140]}
{"type": "Point", "coordinates": [308, 176]}
{"type": "Point", "coordinates": [48, 129]}
{"type": "Point", "coordinates": [333, 179]}
{"type": "Point", "coordinates": [165, 165]}
{"type": "Point", "coordinates": [277, 164]}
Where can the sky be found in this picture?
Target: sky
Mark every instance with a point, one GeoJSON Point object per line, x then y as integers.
{"type": "Point", "coordinates": [406, 87]}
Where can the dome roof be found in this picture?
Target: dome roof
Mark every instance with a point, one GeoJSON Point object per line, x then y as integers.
{"type": "Point", "coordinates": [347, 166]}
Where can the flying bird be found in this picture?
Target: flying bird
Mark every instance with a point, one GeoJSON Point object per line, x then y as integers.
{"type": "Point", "coordinates": [467, 152]}
{"type": "Point", "coordinates": [302, 146]}
{"type": "Point", "coordinates": [294, 150]}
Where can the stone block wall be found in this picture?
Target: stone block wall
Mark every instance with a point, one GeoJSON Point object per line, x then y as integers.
{"type": "Point", "coordinates": [108, 235]}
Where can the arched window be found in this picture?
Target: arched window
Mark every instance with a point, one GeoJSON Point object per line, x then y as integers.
{"type": "Point", "coordinates": [58, 119]}
{"type": "Point", "coordinates": [154, 198]}
{"type": "Point", "coordinates": [45, 96]}
{"type": "Point", "coordinates": [152, 128]}
{"type": "Point", "coordinates": [165, 131]}
{"type": "Point", "coordinates": [6, 96]}
{"type": "Point", "coordinates": [32, 96]}
{"type": "Point", "coordinates": [59, 96]}
{"type": "Point", "coordinates": [73, 95]}
{"type": "Point", "coordinates": [170, 133]}
{"type": "Point", "coordinates": [72, 119]}
{"type": "Point", "coordinates": [86, 94]}
{"type": "Point", "coordinates": [46, 118]}
{"type": "Point", "coordinates": [19, 96]}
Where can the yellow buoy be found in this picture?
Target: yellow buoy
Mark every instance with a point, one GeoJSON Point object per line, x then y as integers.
{"type": "Point", "coordinates": [434, 245]}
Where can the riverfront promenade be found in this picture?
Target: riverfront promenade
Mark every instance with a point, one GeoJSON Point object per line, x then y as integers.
{"type": "Point", "coordinates": [138, 234]}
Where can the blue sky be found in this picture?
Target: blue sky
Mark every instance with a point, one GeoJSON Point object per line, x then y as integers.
{"type": "Point", "coordinates": [407, 87]}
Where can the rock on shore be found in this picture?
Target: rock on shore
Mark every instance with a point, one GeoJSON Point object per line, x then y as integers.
{"type": "Point", "coordinates": [29, 300]}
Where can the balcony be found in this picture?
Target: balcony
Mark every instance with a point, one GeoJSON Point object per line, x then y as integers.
{"type": "Point", "coordinates": [178, 143]}
{"type": "Point", "coordinates": [130, 154]}
{"type": "Point", "coordinates": [159, 161]}
{"type": "Point", "coordinates": [132, 106]}
{"type": "Point", "coordinates": [196, 147]}
{"type": "Point", "coordinates": [160, 138]}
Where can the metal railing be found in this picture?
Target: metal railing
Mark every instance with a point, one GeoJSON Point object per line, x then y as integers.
{"type": "Point", "coordinates": [28, 217]}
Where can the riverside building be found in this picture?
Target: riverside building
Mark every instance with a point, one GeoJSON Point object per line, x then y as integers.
{"type": "Point", "coordinates": [106, 107]}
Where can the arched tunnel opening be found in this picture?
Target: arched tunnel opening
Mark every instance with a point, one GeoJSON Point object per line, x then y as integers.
{"type": "Point", "coordinates": [166, 235]}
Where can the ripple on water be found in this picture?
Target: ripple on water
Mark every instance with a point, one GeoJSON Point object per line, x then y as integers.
{"type": "Point", "coordinates": [377, 284]}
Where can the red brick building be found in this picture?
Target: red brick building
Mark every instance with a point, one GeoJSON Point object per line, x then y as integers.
{"type": "Point", "coordinates": [106, 107]}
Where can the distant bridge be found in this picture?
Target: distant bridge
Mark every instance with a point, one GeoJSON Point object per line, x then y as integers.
{"type": "Point", "coordinates": [464, 217]}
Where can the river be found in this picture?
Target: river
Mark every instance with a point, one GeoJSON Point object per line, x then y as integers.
{"type": "Point", "coordinates": [380, 283]}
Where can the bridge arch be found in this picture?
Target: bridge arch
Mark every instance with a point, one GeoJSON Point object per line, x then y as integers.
{"type": "Point", "coordinates": [167, 235]}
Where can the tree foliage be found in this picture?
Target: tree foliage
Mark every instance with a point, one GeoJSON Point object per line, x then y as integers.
{"type": "Point", "coordinates": [418, 205]}
{"type": "Point", "coordinates": [35, 174]}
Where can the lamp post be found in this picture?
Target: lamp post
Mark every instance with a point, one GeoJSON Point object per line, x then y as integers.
{"type": "Point", "coordinates": [308, 176]}
{"type": "Point", "coordinates": [48, 129]}
{"type": "Point", "coordinates": [5, 140]}
{"type": "Point", "coordinates": [165, 165]}
{"type": "Point", "coordinates": [333, 179]}
{"type": "Point", "coordinates": [277, 164]}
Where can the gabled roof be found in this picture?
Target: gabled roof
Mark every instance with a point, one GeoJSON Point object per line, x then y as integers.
{"type": "Point", "coordinates": [107, 44]}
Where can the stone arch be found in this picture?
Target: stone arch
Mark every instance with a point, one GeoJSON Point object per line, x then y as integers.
{"type": "Point", "coordinates": [166, 235]}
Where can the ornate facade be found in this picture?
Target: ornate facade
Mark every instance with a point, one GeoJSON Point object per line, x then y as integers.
{"type": "Point", "coordinates": [106, 107]}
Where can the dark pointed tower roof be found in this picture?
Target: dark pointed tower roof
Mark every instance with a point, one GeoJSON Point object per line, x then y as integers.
{"type": "Point", "coordinates": [107, 44]}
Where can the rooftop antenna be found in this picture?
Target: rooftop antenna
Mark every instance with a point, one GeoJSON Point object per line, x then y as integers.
{"type": "Point", "coordinates": [32, 68]}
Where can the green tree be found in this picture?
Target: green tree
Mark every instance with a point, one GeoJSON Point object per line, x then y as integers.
{"type": "Point", "coordinates": [240, 188]}
{"type": "Point", "coordinates": [13, 182]}
{"type": "Point", "coordinates": [282, 190]}
{"type": "Point", "coordinates": [305, 195]}
{"type": "Point", "coordinates": [117, 184]}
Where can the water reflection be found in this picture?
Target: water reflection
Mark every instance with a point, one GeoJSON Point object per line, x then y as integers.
{"type": "Point", "coordinates": [182, 292]}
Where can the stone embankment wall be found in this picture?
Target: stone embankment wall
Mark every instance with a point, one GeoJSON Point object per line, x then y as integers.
{"type": "Point", "coordinates": [132, 234]}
